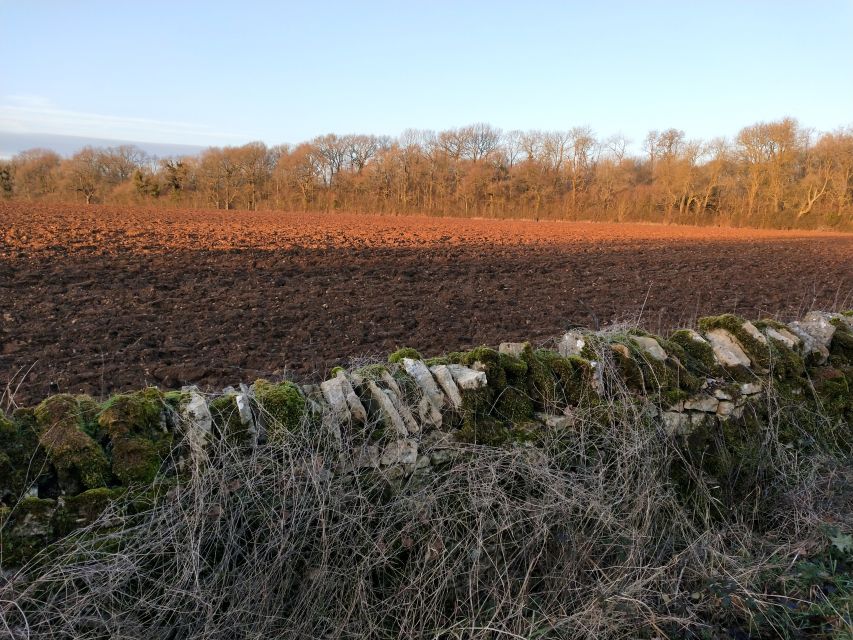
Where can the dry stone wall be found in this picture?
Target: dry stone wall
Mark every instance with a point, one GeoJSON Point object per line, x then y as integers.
{"type": "Point", "coordinates": [63, 461]}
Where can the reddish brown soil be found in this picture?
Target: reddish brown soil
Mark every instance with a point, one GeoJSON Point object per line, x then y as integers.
{"type": "Point", "coordinates": [99, 299]}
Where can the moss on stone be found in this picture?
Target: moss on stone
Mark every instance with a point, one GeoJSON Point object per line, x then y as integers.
{"type": "Point", "coordinates": [139, 443]}
{"type": "Point", "coordinates": [79, 461]}
{"type": "Point", "coordinates": [696, 356]}
{"type": "Point", "coordinates": [335, 371]}
{"type": "Point", "coordinates": [283, 407]}
{"type": "Point", "coordinates": [757, 351]}
{"type": "Point", "coordinates": [513, 405]}
{"type": "Point", "coordinates": [842, 341]}
{"type": "Point", "coordinates": [228, 424]}
{"type": "Point", "coordinates": [573, 376]}
{"type": "Point", "coordinates": [541, 381]}
{"type": "Point", "coordinates": [405, 352]}
{"type": "Point", "coordinates": [27, 529]}
{"type": "Point", "coordinates": [484, 430]}
{"type": "Point", "coordinates": [372, 371]}
{"type": "Point", "coordinates": [433, 362]}
{"type": "Point", "coordinates": [84, 508]}
{"type": "Point", "coordinates": [22, 462]}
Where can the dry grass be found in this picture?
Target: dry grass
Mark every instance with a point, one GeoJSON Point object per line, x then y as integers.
{"type": "Point", "coordinates": [584, 536]}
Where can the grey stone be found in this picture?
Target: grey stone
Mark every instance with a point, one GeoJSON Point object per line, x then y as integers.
{"type": "Point", "coordinates": [784, 336]}
{"type": "Point", "coordinates": [816, 332]}
{"type": "Point", "coordinates": [753, 332]}
{"type": "Point", "coordinates": [357, 410]}
{"type": "Point", "coordinates": [196, 422]}
{"type": "Point", "coordinates": [467, 379]}
{"type": "Point", "coordinates": [553, 421]}
{"type": "Point", "coordinates": [703, 403]}
{"type": "Point", "coordinates": [750, 388]}
{"type": "Point", "coordinates": [722, 394]}
{"type": "Point", "coordinates": [403, 410]}
{"type": "Point", "coordinates": [445, 380]}
{"type": "Point", "coordinates": [571, 344]}
{"type": "Point", "coordinates": [389, 412]}
{"type": "Point", "coordinates": [651, 347]}
{"type": "Point", "coordinates": [334, 393]}
{"type": "Point", "coordinates": [432, 400]}
{"type": "Point", "coordinates": [513, 348]}
{"type": "Point", "coordinates": [725, 408]}
{"type": "Point", "coordinates": [399, 452]}
{"type": "Point", "coordinates": [727, 350]}
{"type": "Point", "coordinates": [675, 423]}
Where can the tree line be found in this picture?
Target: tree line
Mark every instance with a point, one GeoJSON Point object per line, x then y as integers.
{"type": "Point", "coordinates": [772, 174]}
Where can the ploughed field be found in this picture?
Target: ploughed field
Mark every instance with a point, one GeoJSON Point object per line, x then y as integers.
{"type": "Point", "coordinates": [99, 299]}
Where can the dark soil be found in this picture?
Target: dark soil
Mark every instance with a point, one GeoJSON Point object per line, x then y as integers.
{"type": "Point", "coordinates": [98, 300]}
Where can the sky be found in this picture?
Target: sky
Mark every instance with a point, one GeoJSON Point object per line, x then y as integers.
{"type": "Point", "coordinates": [226, 73]}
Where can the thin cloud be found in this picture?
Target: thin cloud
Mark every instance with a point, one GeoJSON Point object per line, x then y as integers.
{"type": "Point", "coordinates": [34, 114]}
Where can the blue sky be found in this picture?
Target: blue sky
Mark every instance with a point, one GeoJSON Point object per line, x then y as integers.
{"type": "Point", "coordinates": [227, 73]}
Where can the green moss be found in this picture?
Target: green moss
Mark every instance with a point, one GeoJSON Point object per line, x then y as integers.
{"type": "Point", "coordinates": [758, 352]}
{"type": "Point", "coordinates": [139, 443]}
{"type": "Point", "coordinates": [282, 406]}
{"type": "Point", "coordinates": [842, 342]}
{"type": "Point", "coordinates": [22, 462]}
{"type": "Point", "coordinates": [834, 390]}
{"type": "Point", "coordinates": [573, 377]}
{"type": "Point", "coordinates": [541, 381]}
{"type": "Point", "coordinates": [405, 352]}
{"type": "Point", "coordinates": [26, 528]}
{"type": "Point", "coordinates": [227, 422]}
{"type": "Point", "coordinates": [432, 362]}
{"type": "Point", "coordinates": [696, 356]}
{"type": "Point", "coordinates": [372, 371]}
{"type": "Point", "coordinates": [666, 381]}
{"type": "Point", "coordinates": [513, 405]}
{"type": "Point", "coordinates": [484, 430]}
{"type": "Point", "coordinates": [79, 461]}
{"type": "Point", "coordinates": [83, 509]}
{"type": "Point", "coordinates": [335, 371]}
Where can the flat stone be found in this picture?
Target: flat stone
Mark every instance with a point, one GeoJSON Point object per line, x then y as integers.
{"type": "Point", "coordinates": [816, 332]}
{"type": "Point", "coordinates": [514, 349]}
{"type": "Point", "coordinates": [366, 457]}
{"type": "Point", "coordinates": [357, 410]}
{"type": "Point", "coordinates": [753, 332]}
{"type": "Point", "coordinates": [392, 417]}
{"type": "Point", "coordinates": [391, 383]}
{"type": "Point", "coordinates": [197, 423]}
{"type": "Point", "coordinates": [403, 410]}
{"type": "Point", "coordinates": [727, 350]}
{"type": "Point", "coordinates": [399, 452]}
{"type": "Point", "coordinates": [725, 408]}
{"type": "Point", "coordinates": [722, 394]}
{"type": "Point", "coordinates": [571, 344]}
{"type": "Point", "coordinates": [675, 423]}
{"type": "Point", "coordinates": [784, 336]}
{"type": "Point", "coordinates": [553, 421]}
{"type": "Point", "coordinates": [750, 388]}
{"type": "Point", "coordinates": [703, 403]}
{"type": "Point", "coordinates": [432, 400]}
{"type": "Point", "coordinates": [445, 380]}
{"type": "Point", "coordinates": [335, 395]}
{"type": "Point", "coordinates": [651, 347]}
{"type": "Point", "coordinates": [467, 379]}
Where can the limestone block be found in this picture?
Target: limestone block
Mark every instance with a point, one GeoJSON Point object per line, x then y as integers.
{"type": "Point", "coordinates": [750, 388]}
{"type": "Point", "coordinates": [467, 379]}
{"type": "Point", "coordinates": [753, 332]}
{"type": "Point", "coordinates": [725, 408]}
{"type": "Point", "coordinates": [651, 347]}
{"type": "Point", "coordinates": [703, 403]}
{"type": "Point", "coordinates": [445, 380]}
{"type": "Point", "coordinates": [334, 393]}
{"type": "Point", "coordinates": [399, 452]}
{"type": "Point", "coordinates": [571, 344]}
{"type": "Point", "coordinates": [389, 412]}
{"type": "Point", "coordinates": [784, 336]}
{"type": "Point", "coordinates": [515, 349]}
{"type": "Point", "coordinates": [816, 333]}
{"type": "Point", "coordinates": [432, 400]}
{"type": "Point", "coordinates": [357, 410]}
{"type": "Point", "coordinates": [675, 423]}
{"type": "Point", "coordinates": [727, 350]}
